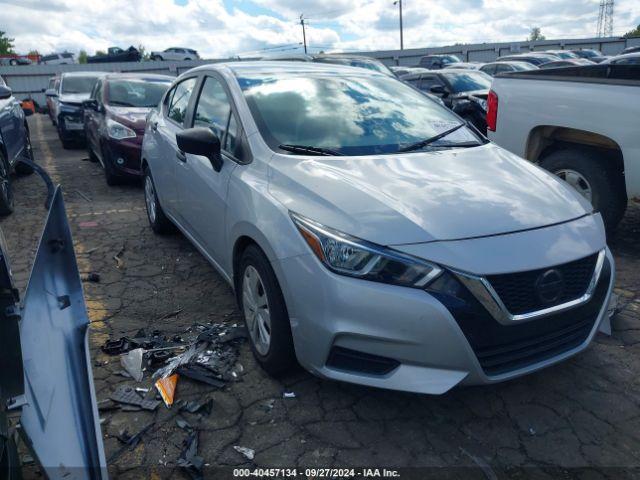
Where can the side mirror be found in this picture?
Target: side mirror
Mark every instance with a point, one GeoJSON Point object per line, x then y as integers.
{"type": "Point", "coordinates": [438, 90]}
{"type": "Point", "coordinates": [91, 104]}
{"type": "Point", "coordinates": [201, 141]}
{"type": "Point", "coordinates": [5, 92]}
{"type": "Point", "coordinates": [50, 92]}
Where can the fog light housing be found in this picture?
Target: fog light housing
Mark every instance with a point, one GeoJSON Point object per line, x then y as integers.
{"type": "Point", "coordinates": [120, 161]}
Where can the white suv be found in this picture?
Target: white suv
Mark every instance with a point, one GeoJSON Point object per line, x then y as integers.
{"type": "Point", "coordinates": [175, 54]}
{"type": "Point", "coordinates": [58, 59]}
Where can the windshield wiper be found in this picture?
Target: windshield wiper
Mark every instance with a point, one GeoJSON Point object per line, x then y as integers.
{"type": "Point", "coordinates": [435, 138]}
{"type": "Point", "coordinates": [309, 150]}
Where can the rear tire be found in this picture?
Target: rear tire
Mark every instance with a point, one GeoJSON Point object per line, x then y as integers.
{"type": "Point", "coordinates": [158, 221]}
{"type": "Point", "coordinates": [266, 302]}
{"type": "Point", "coordinates": [6, 190]}
{"type": "Point", "coordinates": [595, 175]}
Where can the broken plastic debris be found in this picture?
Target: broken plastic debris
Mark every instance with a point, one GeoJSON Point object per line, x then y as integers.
{"type": "Point", "coordinates": [132, 363]}
{"type": "Point", "coordinates": [183, 424]}
{"type": "Point", "coordinates": [247, 452]}
{"type": "Point", "coordinates": [189, 459]}
{"type": "Point", "coordinates": [127, 395]}
{"type": "Point", "coordinates": [200, 373]}
{"type": "Point", "coordinates": [167, 388]}
{"type": "Point", "coordinates": [90, 277]}
{"type": "Point", "coordinates": [289, 395]}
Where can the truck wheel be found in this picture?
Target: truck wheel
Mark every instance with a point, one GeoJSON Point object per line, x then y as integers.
{"type": "Point", "coordinates": [265, 313]}
{"type": "Point", "coordinates": [6, 192]}
{"type": "Point", "coordinates": [586, 171]}
{"type": "Point", "coordinates": [23, 168]}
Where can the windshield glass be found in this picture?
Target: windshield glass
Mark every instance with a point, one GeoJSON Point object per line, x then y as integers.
{"type": "Point", "coordinates": [78, 84]}
{"type": "Point", "coordinates": [351, 115]}
{"type": "Point", "coordinates": [467, 81]}
{"type": "Point", "coordinates": [523, 66]}
{"type": "Point", "coordinates": [136, 92]}
{"type": "Point", "coordinates": [589, 53]}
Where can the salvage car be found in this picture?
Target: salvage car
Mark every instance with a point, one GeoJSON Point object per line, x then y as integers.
{"type": "Point", "coordinates": [368, 232]}
{"type": "Point", "coordinates": [465, 65]}
{"type": "Point", "coordinates": [559, 125]}
{"type": "Point", "coordinates": [624, 59]}
{"type": "Point", "coordinates": [568, 62]}
{"type": "Point", "coordinates": [360, 61]}
{"type": "Point", "coordinates": [463, 91]}
{"type": "Point", "coordinates": [506, 66]}
{"type": "Point", "coordinates": [534, 58]}
{"type": "Point", "coordinates": [175, 54]}
{"type": "Point", "coordinates": [15, 144]}
{"type": "Point", "coordinates": [116, 54]}
{"type": "Point", "coordinates": [435, 62]}
{"type": "Point", "coordinates": [115, 119]}
{"type": "Point", "coordinates": [64, 58]}
{"type": "Point", "coordinates": [51, 99]}
{"type": "Point", "coordinates": [590, 54]}
{"type": "Point", "coordinates": [46, 384]}
{"type": "Point", "coordinates": [72, 89]}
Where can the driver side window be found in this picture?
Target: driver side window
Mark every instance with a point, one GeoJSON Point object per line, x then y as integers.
{"type": "Point", "coordinates": [214, 111]}
{"type": "Point", "coordinates": [179, 102]}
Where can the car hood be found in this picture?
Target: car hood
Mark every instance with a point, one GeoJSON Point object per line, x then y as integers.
{"type": "Point", "coordinates": [74, 98]}
{"type": "Point", "coordinates": [60, 415]}
{"type": "Point", "coordinates": [424, 196]}
{"type": "Point", "coordinates": [132, 117]}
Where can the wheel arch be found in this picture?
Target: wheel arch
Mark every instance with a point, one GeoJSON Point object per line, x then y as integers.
{"type": "Point", "coordinates": [544, 139]}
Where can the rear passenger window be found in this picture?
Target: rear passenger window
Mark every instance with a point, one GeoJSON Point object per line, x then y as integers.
{"type": "Point", "coordinates": [180, 100]}
{"type": "Point", "coordinates": [214, 111]}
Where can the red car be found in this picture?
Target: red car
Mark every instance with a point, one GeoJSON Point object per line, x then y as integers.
{"type": "Point", "coordinates": [115, 119]}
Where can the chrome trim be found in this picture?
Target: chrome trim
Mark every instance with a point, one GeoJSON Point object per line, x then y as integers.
{"type": "Point", "coordinates": [483, 291]}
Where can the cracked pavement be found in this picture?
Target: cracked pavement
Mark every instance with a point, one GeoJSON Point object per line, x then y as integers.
{"type": "Point", "coordinates": [581, 417]}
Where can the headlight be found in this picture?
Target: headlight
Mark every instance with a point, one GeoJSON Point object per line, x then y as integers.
{"type": "Point", "coordinates": [347, 255]}
{"type": "Point", "coordinates": [118, 131]}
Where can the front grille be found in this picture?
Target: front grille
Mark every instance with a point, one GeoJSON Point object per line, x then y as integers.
{"type": "Point", "coordinates": [518, 290]}
{"type": "Point", "coordinates": [504, 348]}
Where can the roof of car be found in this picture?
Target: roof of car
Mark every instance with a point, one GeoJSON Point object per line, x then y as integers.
{"type": "Point", "coordinates": [83, 74]}
{"type": "Point", "coordinates": [266, 66]}
{"type": "Point", "coordinates": [140, 76]}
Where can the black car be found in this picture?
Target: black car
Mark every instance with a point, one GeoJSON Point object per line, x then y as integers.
{"type": "Point", "coordinates": [117, 54]}
{"type": "Point", "coordinates": [569, 62]}
{"type": "Point", "coordinates": [71, 91]}
{"type": "Point", "coordinates": [435, 62]}
{"type": "Point", "coordinates": [15, 144]}
{"type": "Point", "coordinates": [631, 50]}
{"type": "Point", "coordinates": [463, 91]}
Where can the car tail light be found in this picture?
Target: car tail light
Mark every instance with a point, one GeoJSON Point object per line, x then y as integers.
{"type": "Point", "coordinates": [492, 111]}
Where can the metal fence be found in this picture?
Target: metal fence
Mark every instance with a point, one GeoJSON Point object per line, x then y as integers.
{"type": "Point", "coordinates": [31, 80]}
{"type": "Point", "coordinates": [488, 52]}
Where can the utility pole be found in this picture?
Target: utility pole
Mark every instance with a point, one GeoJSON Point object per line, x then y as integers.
{"type": "Point", "coordinates": [304, 34]}
{"type": "Point", "coordinates": [399, 3]}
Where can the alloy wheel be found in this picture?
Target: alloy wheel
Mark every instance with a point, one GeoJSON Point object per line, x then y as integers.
{"type": "Point", "coordinates": [5, 182]}
{"type": "Point", "coordinates": [255, 305]}
{"type": "Point", "coordinates": [150, 198]}
{"type": "Point", "coordinates": [577, 181]}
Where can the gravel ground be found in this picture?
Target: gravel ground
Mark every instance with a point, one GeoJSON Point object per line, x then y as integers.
{"type": "Point", "coordinates": [582, 415]}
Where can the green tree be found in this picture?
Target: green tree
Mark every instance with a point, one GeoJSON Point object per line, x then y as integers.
{"type": "Point", "coordinates": [100, 53]}
{"type": "Point", "coordinates": [6, 44]}
{"type": "Point", "coordinates": [633, 33]}
{"type": "Point", "coordinates": [536, 34]}
{"type": "Point", "coordinates": [82, 56]}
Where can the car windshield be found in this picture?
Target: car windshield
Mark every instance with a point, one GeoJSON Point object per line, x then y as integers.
{"type": "Point", "coordinates": [136, 92]}
{"type": "Point", "coordinates": [467, 81]}
{"type": "Point", "coordinates": [589, 53]}
{"type": "Point", "coordinates": [347, 114]}
{"type": "Point", "coordinates": [78, 84]}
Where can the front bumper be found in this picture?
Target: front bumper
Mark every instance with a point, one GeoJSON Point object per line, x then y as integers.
{"type": "Point", "coordinates": [71, 125]}
{"type": "Point", "coordinates": [125, 156]}
{"type": "Point", "coordinates": [431, 345]}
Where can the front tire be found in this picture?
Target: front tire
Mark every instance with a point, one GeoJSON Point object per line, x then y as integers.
{"type": "Point", "coordinates": [265, 313]}
{"type": "Point", "coordinates": [158, 221]}
{"type": "Point", "coordinates": [6, 191]}
{"type": "Point", "coordinates": [110, 175]}
{"type": "Point", "coordinates": [588, 172]}
{"type": "Point", "coordinates": [23, 168]}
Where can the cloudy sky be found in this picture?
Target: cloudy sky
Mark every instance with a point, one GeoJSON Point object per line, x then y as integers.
{"type": "Point", "coordinates": [221, 28]}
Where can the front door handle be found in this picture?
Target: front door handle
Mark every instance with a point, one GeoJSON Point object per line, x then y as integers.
{"type": "Point", "coordinates": [181, 156]}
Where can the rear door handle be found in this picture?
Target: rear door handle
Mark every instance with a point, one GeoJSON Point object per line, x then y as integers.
{"type": "Point", "coordinates": [181, 156]}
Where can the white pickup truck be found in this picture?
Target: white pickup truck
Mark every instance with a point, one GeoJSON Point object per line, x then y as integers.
{"type": "Point", "coordinates": [581, 123]}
